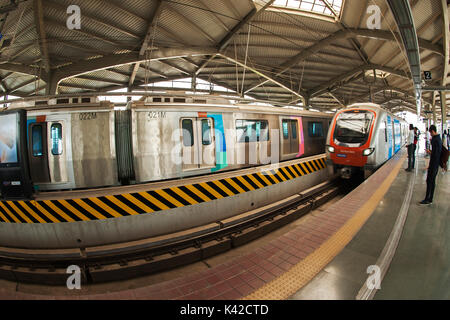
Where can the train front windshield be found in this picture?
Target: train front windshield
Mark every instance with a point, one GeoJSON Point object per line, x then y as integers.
{"type": "Point", "coordinates": [353, 126]}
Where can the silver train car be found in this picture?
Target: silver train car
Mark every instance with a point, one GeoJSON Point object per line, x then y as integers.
{"type": "Point", "coordinates": [363, 137]}
{"type": "Point", "coordinates": [87, 173]}
{"type": "Point", "coordinates": [74, 145]}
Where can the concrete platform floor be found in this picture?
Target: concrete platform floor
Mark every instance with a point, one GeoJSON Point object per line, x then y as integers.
{"type": "Point", "coordinates": [420, 268]}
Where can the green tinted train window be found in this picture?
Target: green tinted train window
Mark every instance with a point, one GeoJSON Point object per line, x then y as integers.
{"type": "Point", "coordinates": [56, 139]}
{"type": "Point", "coordinates": [315, 129]}
{"type": "Point", "coordinates": [294, 129]}
{"type": "Point", "coordinates": [252, 130]}
{"type": "Point", "coordinates": [285, 129]}
{"type": "Point", "coordinates": [188, 132]}
{"type": "Point", "coordinates": [206, 132]}
{"type": "Point", "coordinates": [36, 134]}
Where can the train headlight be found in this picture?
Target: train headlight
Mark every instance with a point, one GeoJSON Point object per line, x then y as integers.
{"type": "Point", "coordinates": [330, 149]}
{"type": "Point", "coordinates": [368, 151]}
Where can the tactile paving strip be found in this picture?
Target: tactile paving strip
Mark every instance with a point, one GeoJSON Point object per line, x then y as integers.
{"type": "Point", "coordinates": [300, 274]}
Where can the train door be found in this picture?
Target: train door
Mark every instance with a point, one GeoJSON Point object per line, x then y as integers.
{"type": "Point", "coordinates": [289, 136]}
{"type": "Point", "coordinates": [38, 152]}
{"type": "Point", "coordinates": [56, 152]}
{"type": "Point", "coordinates": [390, 130]}
{"type": "Point", "coordinates": [198, 147]}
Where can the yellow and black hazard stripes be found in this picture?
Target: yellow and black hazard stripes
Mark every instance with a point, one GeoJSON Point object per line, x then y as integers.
{"type": "Point", "coordinates": [115, 206]}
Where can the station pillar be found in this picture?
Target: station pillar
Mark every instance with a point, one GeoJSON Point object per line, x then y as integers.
{"type": "Point", "coordinates": [443, 110]}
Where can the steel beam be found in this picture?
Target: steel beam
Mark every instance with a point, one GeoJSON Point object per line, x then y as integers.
{"type": "Point", "coordinates": [403, 16]}
{"type": "Point", "coordinates": [40, 29]}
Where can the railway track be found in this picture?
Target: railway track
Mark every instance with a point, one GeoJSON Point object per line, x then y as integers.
{"type": "Point", "coordinates": [143, 257]}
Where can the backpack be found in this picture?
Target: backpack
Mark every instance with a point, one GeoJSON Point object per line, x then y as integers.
{"type": "Point", "coordinates": [444, 158]}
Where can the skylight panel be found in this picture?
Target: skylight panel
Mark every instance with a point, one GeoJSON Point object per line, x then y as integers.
{"type": "Point", "coordinates": [330, 8]}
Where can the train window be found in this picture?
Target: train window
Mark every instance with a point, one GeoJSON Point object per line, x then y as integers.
{"type": "Point", "coordinates": [36, 134]}
{"type": "Point", "coordinates": [157, 99]}
{"type": "Point", "coordinates": [315, 129]}
{"type": "Point", "coordinates": [294, 129]}
{"type": "Point", "coordinates": [252, 130]}
{"type": "Point", "coordinates": [285, 129]}
{"type": "Point", "coordinates": [56, 138]}
{"type": "Point", "coordinates": [263, 131]}
{"type": "Point", "coordinates": [186, 125]}
{"type": "Point", "coordinates": [206, 132]}
{"type": "Point", "coordinates": [352, 126]}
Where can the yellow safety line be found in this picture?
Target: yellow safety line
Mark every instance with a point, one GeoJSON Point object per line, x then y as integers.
{"type": "Point", "coordinates": [136, 202]}
{"type": "Point", "coordinates": [30, 211]}
{"type": "Point", "coordinates": [235, 185]}
{"type": "Point", "coordinates": [264, 178]}
{"type": "Point", "coordinates": [58, 211]}
{"type": "Point", "coordinates": [300, 274]}
{"type": "Point", "coordinates": [315, 166]}
{"type": "Point", "coordinates": [72, 209]}
{"type": "Point", "coordinates": [309, 167]}
{"type": "Point", "coordinates": [169, 198]}
{"type": "Point", "coordinates": [45, 212]}
{"type": "Point", "coordinates": [10, 213]}
{"type": "Point", "coordinates": [4, 217]}
{"type": "Point", "coordinates": [89, 209]}
{"type": "Point", "coordinates": [222, 187]}
{"type": "Point", "coordinates": [281, 179]}
{"type": "Point", "coordinates": [245, 183]}
{"type": "Point", "coordinates": [105, 207]}
{"type": "Point", "coordinates": [286, 172]}
{"type": "Point", "coordinates": [154, 201]}
{"type": "Point", "coordinates": [299, 170]}
{"type": "Point", "coordinates": [305, 168]}
{"type": "Point", "coordinates": [183, 195]}
{"type": "Point", "coordinates": [197, 192]}
{"type": "Point", "coordinates": [12, 205]}
{"type": "Point", "coordinates": [291, 168]}
{"type": "Point", "coordinates": [211, 190]}
{"type": "Point", "coordinates": [121, 205]}
{"type": "Point", "coordinates": [255, 181]}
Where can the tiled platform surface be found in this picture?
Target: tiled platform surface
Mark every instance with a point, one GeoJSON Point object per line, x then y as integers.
{"type": "Point", "coordinates": [238, 278]}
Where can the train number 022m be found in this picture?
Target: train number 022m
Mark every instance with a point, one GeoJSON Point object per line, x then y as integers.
{"type": "Point", "coordinates": [88, 115]}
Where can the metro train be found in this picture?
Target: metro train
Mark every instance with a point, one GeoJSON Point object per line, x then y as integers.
{"type": "Point", "coordinates": [80, 142]}
{"type": "Point", "coordinates": [362, 137]}
{"type": "Point", "coordinates": [77, 172]}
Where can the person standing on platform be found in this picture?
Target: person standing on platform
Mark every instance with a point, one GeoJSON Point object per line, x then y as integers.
{"type": "Point", "coordinates": [445, 151]}
{"type": "Point", "coordinates": [410, 145]}
{"type": "Point", "coordinates": [433, 167]}
{"type": "Point", "coordinates": [416, 138]}
{"type": "Point", "coordinates": [427, 142]}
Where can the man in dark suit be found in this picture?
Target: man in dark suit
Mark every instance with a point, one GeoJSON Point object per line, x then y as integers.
{"type": "Point", "coordinates": [433, 168]}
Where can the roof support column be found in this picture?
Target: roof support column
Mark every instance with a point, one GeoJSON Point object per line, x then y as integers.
{"type": "Point", "coordinates": [443, 110]}
{"type": "Point", "coordinates": [52, 84]}
{"type": "Point", "coordinates": [434, 112]}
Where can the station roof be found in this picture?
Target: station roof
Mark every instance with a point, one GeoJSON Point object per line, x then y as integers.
{"type": "Point", "coordinates": [320, 52]}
